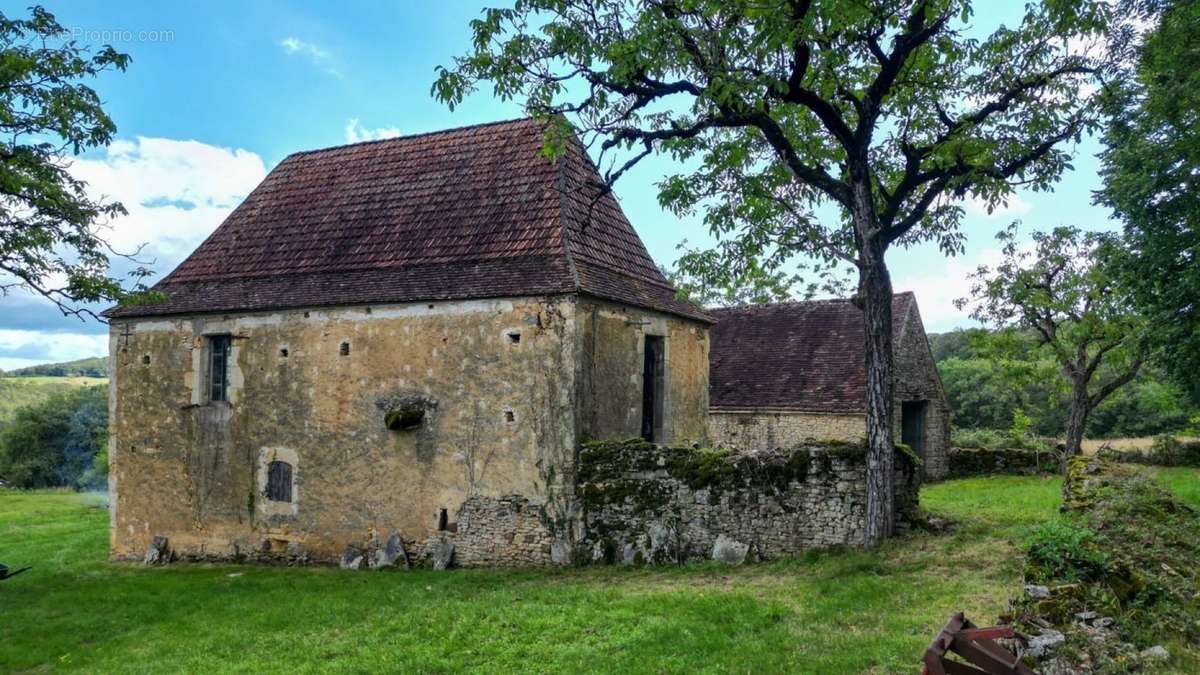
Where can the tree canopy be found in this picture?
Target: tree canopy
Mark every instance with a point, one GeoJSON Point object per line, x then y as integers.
{"type": "Point", "coordinates": [887, 112]}
{"type": "Point", "coordinates": [1067, 292]}
{"type": "Point", "coordinates": [51, 237]}
{"type": "Point", "coordinates": [1151, 171]}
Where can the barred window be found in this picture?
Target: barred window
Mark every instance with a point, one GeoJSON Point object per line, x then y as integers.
{"type": "Point", "coordinates": [279, 482]}
{"type": "Point", "coordinates": [218, 367]}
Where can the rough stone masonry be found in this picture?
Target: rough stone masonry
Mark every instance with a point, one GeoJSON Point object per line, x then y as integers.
{"type": "Point", "coordinates": [648, 504]}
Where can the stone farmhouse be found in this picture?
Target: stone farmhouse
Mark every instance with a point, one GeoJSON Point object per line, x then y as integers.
{"type": "Point", "coordinates": [410, 340]}
{"type": "Point", "coordinates": [795, 370]}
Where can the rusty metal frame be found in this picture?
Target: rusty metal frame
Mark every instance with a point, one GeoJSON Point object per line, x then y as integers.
{"type": "Point", "coordinates": [977, 646]}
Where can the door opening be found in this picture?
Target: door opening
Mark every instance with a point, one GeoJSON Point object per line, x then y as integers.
{"type": "Point", "coordinates": [653, 370]}
{"type": "Point", "coordinates": [912, 425]}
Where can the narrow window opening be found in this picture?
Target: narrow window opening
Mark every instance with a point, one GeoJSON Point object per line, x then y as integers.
{"type": "Point", "coordinates": [145, 359]}
{"type": "Point", "coordinates": [509, 417]}
{"type": "Point", "coordinates": [218, 367]}
{"type": "Point", "coordinates": [344, 349]}
{"type": "Point", "coordinates": [653, 371]}
{"type": "Point", "coordinates": [514, 338]}
{"type": "Point", "coordinates": [283, 353]}
{"type": "Point", "coordinates": [279, 482]}
{"type": "Point", "coordinates": [442, 521]}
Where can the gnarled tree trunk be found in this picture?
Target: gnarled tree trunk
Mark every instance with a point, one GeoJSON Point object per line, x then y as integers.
{"type": "Point", "coordinates": [875, 298]}
{"type": "Point", "coordinates": [1077, 421]}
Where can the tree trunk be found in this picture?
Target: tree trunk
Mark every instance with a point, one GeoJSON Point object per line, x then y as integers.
{"type": "Point", "coordinates": [1077, 422]}
{"type": "Point", "coordinates": [875, 291]}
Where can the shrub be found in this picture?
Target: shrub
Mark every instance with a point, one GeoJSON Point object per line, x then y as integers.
{"type": "Point", "coordinates": [55, 443]}
{"type": "Point", "coordinates": [1061, 550]}
{"type": "Point", "coordinates": [990, 439]}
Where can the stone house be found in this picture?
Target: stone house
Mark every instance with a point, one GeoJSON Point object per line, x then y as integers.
{"type": "Point", "coordinates": [408, 336]}
{"type": "Point", "coordinates": [408, 343]}
{"type": "Point", "coordinates": [783, 373]}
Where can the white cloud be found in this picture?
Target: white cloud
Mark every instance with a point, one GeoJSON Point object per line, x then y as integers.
{"type": "Point", "coordinates": [938, 286]}
{"type": "Point", "coordinates": [176, 192]}
{"type": "Point", "coordinates": [355, 132]}
{"type": "Point", "coordinates": [1013, 206]}
{"type": "Point", "coordinates": [317, 55]}
{"type": "Point", "coordinates": [20, 348]}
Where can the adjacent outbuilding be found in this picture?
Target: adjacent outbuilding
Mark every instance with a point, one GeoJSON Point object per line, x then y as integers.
{"type": "Point", "coordinates": [784, 373]}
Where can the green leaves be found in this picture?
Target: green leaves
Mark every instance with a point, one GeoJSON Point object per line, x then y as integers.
{"type": "Point", "coordinates": [50, 240]}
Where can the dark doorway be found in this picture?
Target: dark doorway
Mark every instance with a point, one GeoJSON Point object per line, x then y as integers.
{"type": "Point", "coordinates": [653, 370]}
{"type": "Point", "coordinates": [912, 425]}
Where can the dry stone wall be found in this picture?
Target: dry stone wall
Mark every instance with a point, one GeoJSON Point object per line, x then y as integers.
{"type": "Point", "coordinates": [647, 504]}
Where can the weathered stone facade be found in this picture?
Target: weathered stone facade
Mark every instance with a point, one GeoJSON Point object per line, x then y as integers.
{"type": "Point", "coordinates": [916, 380]}
{"type": "Point", "coordinates": [757, 430]}
{"type": "Point", "coordinates": [649, 504]}
{"type": "Point", "coordinates": [498, 386]}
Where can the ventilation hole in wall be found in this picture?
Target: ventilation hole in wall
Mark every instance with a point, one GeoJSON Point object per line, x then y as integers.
{"type": "Point", "coordinates": [344, 350]}
{"type": "Point", "coordinates": [283, 353]}
{"type": "Point", "coordinates": [145, 359]}
{"type": "Point", "coordinates": [442, 522]}
{"type": "Point", "coordinates": [509, 416]}
{"type": "Point", "coordinates": [514, 338]}
{"type": "Point", "coordinates": [306, 315]}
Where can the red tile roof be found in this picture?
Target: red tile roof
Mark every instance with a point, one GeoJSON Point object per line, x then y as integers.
{"type": "Point", "coordinates": [797, 356]}
{"type": "Point", "coordinates": [474, 212]}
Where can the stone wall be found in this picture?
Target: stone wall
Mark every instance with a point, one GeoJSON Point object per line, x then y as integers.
{"type": "Point", "coordinates": [753, 431]}
{"type": "Point", "coordinates": [916, 379]}
{"type": "Point", "coordinates": [963, 462]}
{"type": "Point", "coordinates": [489, 463]}
{"type": "Point", "coordinates": [644, 503]}
{"type": "Point", "coordinates": [612, 343]}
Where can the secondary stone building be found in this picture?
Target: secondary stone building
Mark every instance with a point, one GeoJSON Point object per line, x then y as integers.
{"type": "Point", "coordinates": [408, 336]}
{"type": "Point", "coordinates": [784, 373]}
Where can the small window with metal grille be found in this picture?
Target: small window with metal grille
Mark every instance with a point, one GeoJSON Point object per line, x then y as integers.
{"type": "Point", "coordinates": [279, 482]}
{"type": "Point", "coordinates": [218, 367]}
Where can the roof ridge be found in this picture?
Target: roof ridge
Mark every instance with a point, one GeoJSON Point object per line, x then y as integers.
{"type": "Point", "coordinates": [564, 228]}
{"type": "Point", "coordinates": [405, 137]}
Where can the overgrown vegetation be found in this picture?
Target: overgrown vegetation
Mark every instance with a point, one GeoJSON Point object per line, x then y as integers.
{"type": "Point", "coordinates": [1165, 451]}
{"type": "Point", "coordinates": [1125, 549]}
{"type": "Point", "coordinates": [58, 442]}
{"type": "Point", "coordinates": [995, 377]}
{"type": "Point", "coordinates": [22, 392]}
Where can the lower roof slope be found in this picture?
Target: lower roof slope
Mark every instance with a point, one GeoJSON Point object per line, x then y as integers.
{"type": "Point", "coordinates": [793, 356]}
{"type": "Point", "coordinates": [474, 212]}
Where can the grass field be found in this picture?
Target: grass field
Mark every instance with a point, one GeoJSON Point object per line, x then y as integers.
{"type": "Point", "coordinates": [1090, 446]}
{"type": "Point", "coordinates": [18, 392]}
{"type": "Point", "coordinates": [846, 611]}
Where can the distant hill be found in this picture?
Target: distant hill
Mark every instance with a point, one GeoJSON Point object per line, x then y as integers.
{"type": "Point", "coordinates": [19, 392]}
{"type": "Point", "coordinates": [93, 367]}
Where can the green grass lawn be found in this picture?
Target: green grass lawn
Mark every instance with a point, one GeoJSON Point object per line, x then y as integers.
{"type": "Point", "coordinates": [841, 611]}
{"type": "Point", "coordinates": [1183, 481]}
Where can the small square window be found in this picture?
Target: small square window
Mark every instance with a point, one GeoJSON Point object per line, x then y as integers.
{"type": "Point", "coordinates": [344, 349]}
{"type": "Point", "coordinates": [514, 338]}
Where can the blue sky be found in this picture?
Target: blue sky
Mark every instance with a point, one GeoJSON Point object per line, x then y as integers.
{"type": "Point", "coordinates": [219, 92]}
